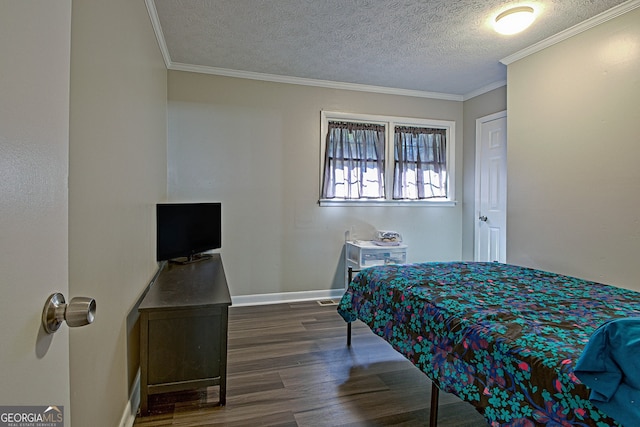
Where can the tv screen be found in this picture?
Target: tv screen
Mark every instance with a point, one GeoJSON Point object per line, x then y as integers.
{"type": "Point", "coordinates": [187, 229]}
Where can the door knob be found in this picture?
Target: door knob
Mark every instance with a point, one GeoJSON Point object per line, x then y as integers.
{"type": "Point", "coordinates": [79, 312]}
{"type": "Point", "coordinates": [483, 218]}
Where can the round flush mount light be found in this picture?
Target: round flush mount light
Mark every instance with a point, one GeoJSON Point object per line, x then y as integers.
{"type": "Point", "coordinates": [514, 20]}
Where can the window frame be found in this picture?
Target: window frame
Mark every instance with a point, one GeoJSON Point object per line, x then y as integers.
{"type": "Point", "coordinates": [390, 122]}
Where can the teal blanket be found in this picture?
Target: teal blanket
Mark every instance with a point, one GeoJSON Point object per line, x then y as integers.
{"type": "Point", "coordinates": [610, 366]}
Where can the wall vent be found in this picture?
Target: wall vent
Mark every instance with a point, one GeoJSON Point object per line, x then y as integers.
{"type": "Point", "coordinates": [328, 302]}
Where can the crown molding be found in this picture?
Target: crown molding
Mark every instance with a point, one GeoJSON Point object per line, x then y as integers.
{"type": "Point", "coordinates": [311, 82]}
{"type": "Point", "coordinates": [484, 89]}
{"type": "Point", "coordinates": [605, 16]}
{"type": "Point", "coordinates": [157, 29]}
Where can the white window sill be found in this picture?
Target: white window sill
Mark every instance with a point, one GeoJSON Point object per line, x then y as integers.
{"type": "Point", "coordinates": [406, 203]}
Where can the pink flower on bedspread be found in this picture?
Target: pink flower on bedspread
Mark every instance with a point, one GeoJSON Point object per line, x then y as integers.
{"type": "Point", "coordinates": [521, 422]}
{"type": "Point", "coordinates": [574, 379]}
{"type": "Point", "coordinates": [581, 412]}
{"type": "Point", "coordinates": [498, 380]}
{"type": "Point", "coordinates": [558, 385]}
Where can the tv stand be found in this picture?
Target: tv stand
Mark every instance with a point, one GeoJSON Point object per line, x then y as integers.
{"type": "Point", "coordinates": [183, 330]}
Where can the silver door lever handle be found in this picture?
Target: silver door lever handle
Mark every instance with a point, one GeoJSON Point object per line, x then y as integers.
{"type": "Point", "coordinates": [483, 218]}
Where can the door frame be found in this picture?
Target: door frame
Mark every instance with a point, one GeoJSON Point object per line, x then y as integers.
{"type": "Point", "coordinates": [476, 208]}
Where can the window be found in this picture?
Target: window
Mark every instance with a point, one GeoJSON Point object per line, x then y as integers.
{"type": "Point", "coordinates": [381, 160]}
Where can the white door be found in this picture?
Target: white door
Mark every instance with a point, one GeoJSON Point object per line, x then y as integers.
{"type": "Point", "coordinates": [491, 188]}
{"type": "Point", "coordinates": [35, 39]}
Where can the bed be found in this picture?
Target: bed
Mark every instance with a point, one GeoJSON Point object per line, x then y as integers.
{"type": "Point", "coordinates": [501, 337]}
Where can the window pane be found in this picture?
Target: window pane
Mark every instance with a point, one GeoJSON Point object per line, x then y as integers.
{"type": "Point", "coordinates": [354, 161]}
{"type": "Point", "coordinates": [420, 163]}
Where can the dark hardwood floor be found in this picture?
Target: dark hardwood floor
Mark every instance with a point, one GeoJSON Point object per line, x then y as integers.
{"type": "Point", "coordinates": [288, 365]}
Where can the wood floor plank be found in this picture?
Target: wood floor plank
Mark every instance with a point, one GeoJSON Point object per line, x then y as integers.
{"type": "Point", "coordinates": [288, 365]}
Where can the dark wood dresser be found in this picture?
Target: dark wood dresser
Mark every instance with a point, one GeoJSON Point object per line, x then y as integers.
{"type": "Point", "coordinates": [183, 330]}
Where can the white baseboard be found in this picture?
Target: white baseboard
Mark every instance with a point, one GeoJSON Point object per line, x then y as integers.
{"type": "Point", "coordinates": [282, 297]}
{"type": "Point", "coordinates": [129, 415]}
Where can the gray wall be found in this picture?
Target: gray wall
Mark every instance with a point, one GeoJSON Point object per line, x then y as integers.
{"type": "Point", "coordinates": [117, 174]}
{"type": "Point", "coordinates": [475, 108]}
{"type": "Point", "coordinates": [574, 180]}
{"type": "Point", "coordinates": [255, 146]}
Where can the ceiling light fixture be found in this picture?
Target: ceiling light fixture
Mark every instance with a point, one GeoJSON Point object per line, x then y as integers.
{"type": "Point", "coordinates": [514, 20]}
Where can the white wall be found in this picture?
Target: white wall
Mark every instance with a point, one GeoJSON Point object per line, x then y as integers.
{"type": "Point", "coordinates": [574, 180]}
{"type": "Point", "coordinates": [117, 174]}
{"type": "Point", "coordinates": [255, 146]}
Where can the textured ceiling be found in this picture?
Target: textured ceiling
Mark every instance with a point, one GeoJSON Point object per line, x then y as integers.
{"type": "Point", "coordinates": [441, 46]}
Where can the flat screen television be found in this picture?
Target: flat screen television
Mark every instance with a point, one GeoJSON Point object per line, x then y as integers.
{"type": "Point", "coordinates": [185, 230]}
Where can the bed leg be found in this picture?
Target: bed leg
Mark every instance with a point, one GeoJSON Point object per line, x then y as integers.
{"type": "Point", "coordinates": [433, 415]}
{"type": "Point", "coordinates": [349, 279]}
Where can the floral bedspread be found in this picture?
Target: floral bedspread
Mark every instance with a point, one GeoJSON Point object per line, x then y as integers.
{"type": "Point", "coordinates": [502, 337]}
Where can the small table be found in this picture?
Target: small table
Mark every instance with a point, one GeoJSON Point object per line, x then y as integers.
{"type": "Point", "coordinates": [360, 254]}
{"type": "Point", "coordinates": [183, 330]}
